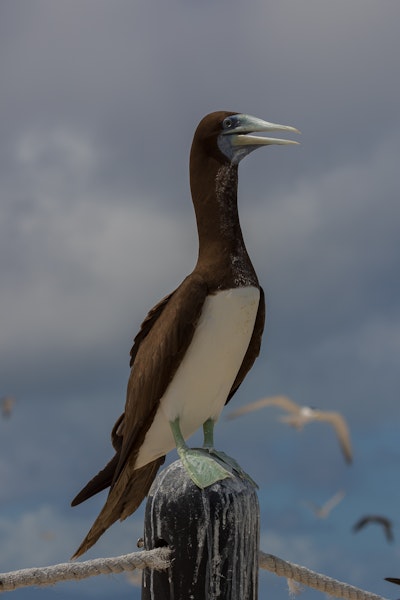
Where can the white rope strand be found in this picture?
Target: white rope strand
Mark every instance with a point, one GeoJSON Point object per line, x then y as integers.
{"type": "Point", "coordinates": [320, 582]}
{"type": "Point", "coordinates": [41, 576]}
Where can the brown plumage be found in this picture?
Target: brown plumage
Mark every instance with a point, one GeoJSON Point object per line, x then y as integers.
{"type": "Point", "coordinates": [384, 522]}
{"type": "Point", "coordinates": [168, 330]}
{"type": "Point", "coordinates": [301, 415]}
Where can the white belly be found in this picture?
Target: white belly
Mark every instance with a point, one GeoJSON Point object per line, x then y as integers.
{"type": "Point", "coordinates": [205, 376]}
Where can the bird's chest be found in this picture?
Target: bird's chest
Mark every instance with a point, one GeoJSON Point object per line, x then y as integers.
{"type": "Point", "coordinates": [212, 361]}
{"type": "Point", "coordinates": [206, 374]}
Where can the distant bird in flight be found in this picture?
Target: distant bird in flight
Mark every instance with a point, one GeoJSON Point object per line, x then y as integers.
{"type": "Point", "coordinates": [380, 520]}
{"type": "Point", "coordinates": [48, 535]}
{"type": "Point", "coordinates": [300, 416]}
{"type": "Point", "coordinates": [7, 405]}
{"type": "Point", "coordinates": [323, 511]}
{"type": "Point", "coordinates": [197, 344]}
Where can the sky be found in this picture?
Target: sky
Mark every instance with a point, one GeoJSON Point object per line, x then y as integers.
{"type": "Point", "coordinates": [99, 101]}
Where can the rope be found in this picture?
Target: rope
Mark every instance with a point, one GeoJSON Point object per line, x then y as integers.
{"type": "Point", "coordinates": [158, 559]}
{"type": "Point", "coordinates": [325, 584]}
{"type": "Point", "coordinates": [154, 559]}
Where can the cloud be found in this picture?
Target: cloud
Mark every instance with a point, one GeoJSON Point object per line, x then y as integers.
{"type": "Point", "coordinates": [74, 259]}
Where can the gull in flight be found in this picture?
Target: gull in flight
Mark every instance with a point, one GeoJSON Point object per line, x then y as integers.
{"type": "Point", "coordinates": [323, 511]}
{"type": "Point", "coordinates": [301, 415]}
{"type": "Point", "coordinates": [6, 406]}
{"type": "Point", "coordinates": [383, 521]}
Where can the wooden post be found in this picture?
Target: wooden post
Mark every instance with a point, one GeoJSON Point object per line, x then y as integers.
{"type": "Point", "coordinates": [213, 534]}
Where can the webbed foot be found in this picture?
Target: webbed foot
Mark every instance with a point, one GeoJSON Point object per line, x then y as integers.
{"type": "Point", "coordinates": [202, 468]}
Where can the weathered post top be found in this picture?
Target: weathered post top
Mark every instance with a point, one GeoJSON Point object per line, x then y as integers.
{"type": "Point", "coordinates": [213, 534]}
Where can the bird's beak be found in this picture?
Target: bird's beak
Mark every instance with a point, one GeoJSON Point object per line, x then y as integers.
{"type": "Point", "coordinates": [247, 125]}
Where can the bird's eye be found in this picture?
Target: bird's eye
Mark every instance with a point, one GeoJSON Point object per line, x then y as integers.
{"type": "Point", "coordinates": [227, 123]}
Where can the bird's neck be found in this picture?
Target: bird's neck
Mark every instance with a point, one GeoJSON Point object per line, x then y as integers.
{"type": "Point", "coordinates": [221, 245]}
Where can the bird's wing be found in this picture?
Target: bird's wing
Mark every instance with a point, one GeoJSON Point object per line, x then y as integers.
{"type": "Point", "coordinates": [254, 346]}
{"type": "Point", "coordinates": [147, 324]}
{"type": "Point", "coordinates": [167, 333]}
{"type": "Point", "coordinates": [134, 488]}
{"type": "Point", "coordinates": [163, 340]}
{"type": "Point", "coordinates": [104, 478]}
{"type": "Point", "coordinates": [98, 483]}
{"type": "Point", "coordinates": [147, 370]}
{"type": "Point", "coordinates": [381, 520]}
{"type": "Point", "coordinates": [367, 519]}
{"type": "Point", "coordinates": [342, 431]}
{"type": "Point", "coordinates": [386, 524]}
{"type": "Point", "coordinates": [393, 580]}
{"type": "Point", "coordinates": [281, 401]}
{"type": "Point", "coordinates": [389, 532]}
{"type": "Point", "coordinates": [332, 502]}
{"type": "Point", "coordinates": [361, 523]}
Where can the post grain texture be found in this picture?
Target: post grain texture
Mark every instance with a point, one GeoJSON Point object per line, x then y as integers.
{"type": "Point", "coordinates": [213, 534]}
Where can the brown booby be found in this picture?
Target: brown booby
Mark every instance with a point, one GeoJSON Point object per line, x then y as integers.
{"type": "Point", "coordinates": [298, 416]}
{"type": "Point", "coordinates": [197, 344]}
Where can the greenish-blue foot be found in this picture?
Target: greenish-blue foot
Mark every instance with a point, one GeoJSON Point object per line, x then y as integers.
{"type": "Point", "coordinates": [229, 462]}
{"type": "Point", "coordinates": [206, 465]}
{"type": "Point", "coordinates": [202, 468]}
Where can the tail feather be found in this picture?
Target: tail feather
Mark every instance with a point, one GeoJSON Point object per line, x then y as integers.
{"type": "Point", "coordinates": [124, 498]}
{"type": "Point", "coordinates": [100, 482]}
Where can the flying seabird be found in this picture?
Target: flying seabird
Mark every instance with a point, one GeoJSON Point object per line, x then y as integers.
{"type": "Point", "coordinates": [300, 416]}
{"type": "Point", "coordinates": [323, 511]}
{"type": "Point", "coordinates": [197, 344]}
{"type": "Point", "coordinates": [7, 405]}
{"type": "Point", "coordinates": [380, 520]}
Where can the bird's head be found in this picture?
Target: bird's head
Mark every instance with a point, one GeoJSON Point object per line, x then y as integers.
{"type": "Point", "coordinates": [228, 136]}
